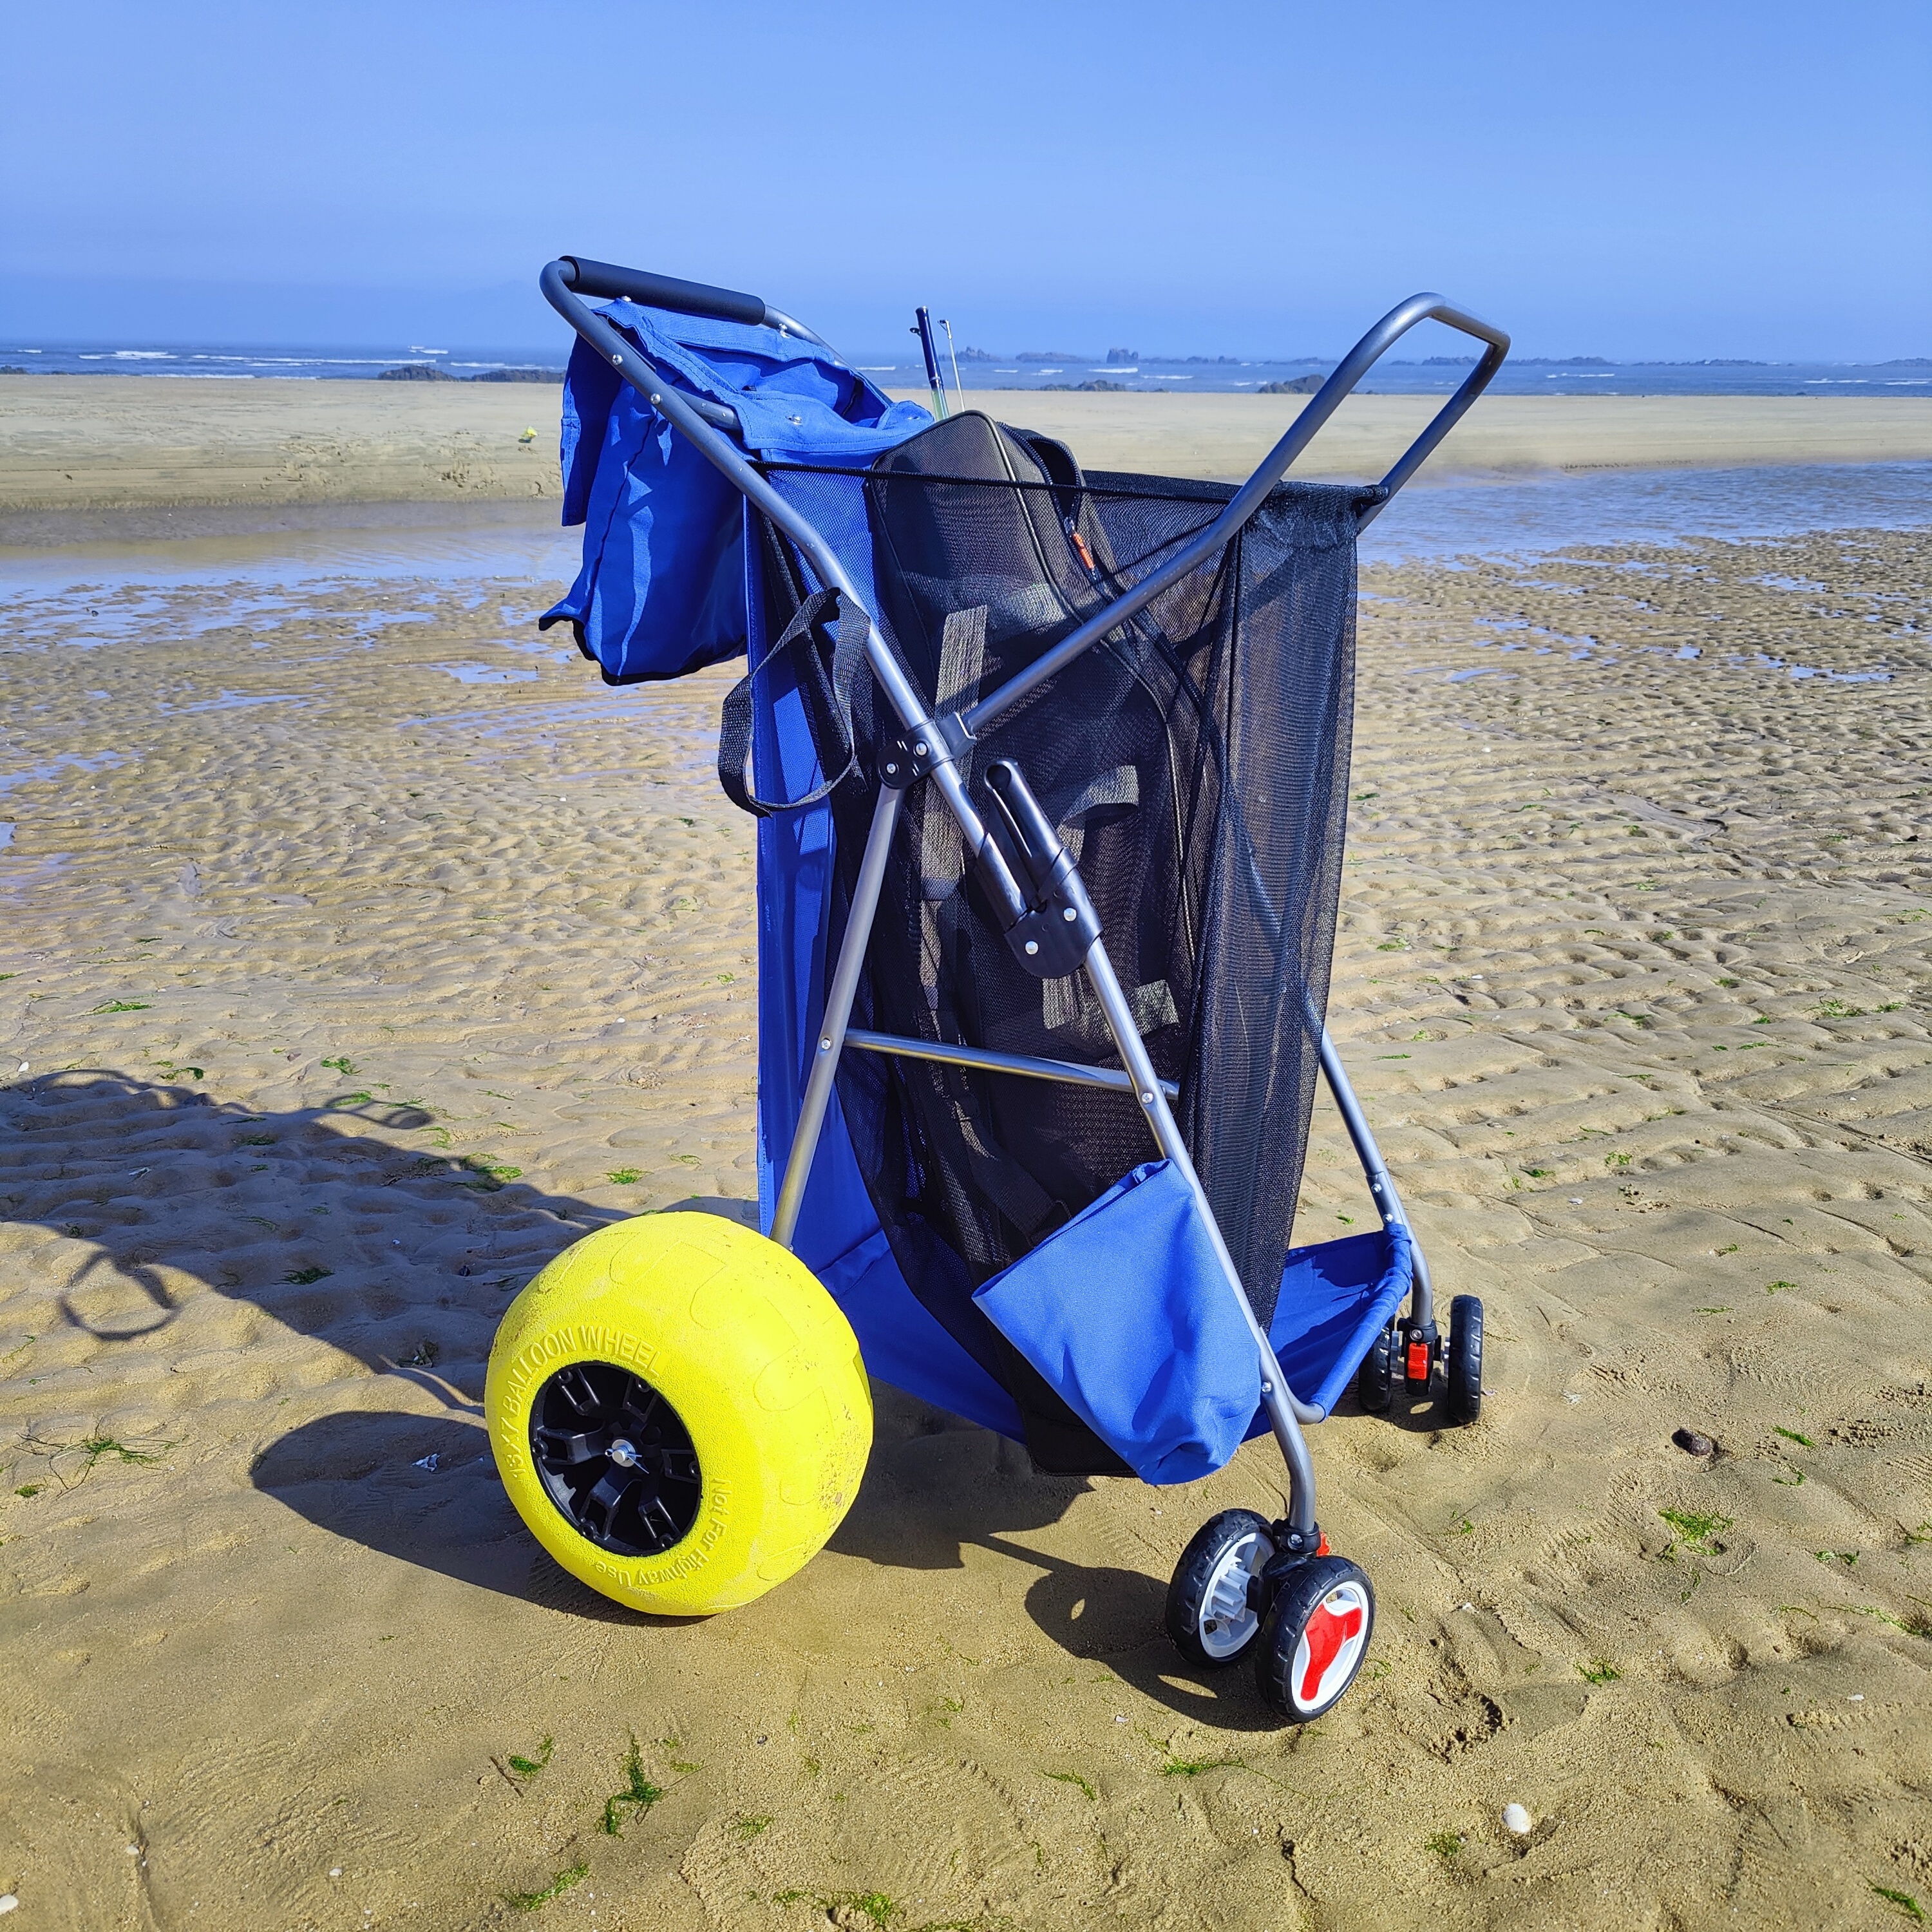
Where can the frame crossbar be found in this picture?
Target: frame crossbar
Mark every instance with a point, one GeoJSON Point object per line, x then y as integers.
{"type": "Point", "coordinates": [1073, 1074]}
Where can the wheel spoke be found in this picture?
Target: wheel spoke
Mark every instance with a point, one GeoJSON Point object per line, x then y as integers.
{"type": "Point", "coordinates": [602, 1503]}
{"type": "Point", "coordinates": [559, 1445]}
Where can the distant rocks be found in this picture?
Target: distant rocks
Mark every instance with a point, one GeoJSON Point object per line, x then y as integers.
{"type": "Point", "coordinates": [1295, 385]}
{"type": "Point", "coordinates": [977, 355]}
{"type": "Point", "coordinates": [13, 369]}
{"type": "Point", "coordinates": [1116, 357]}
{"type": "Point", "coordinates": [1048, 356]}
{"type": "Point", "coordinates": [431, 372]}
{"type": "Point", "coordinates": [1100, 382]}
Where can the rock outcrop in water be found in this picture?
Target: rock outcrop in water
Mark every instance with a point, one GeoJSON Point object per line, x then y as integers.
{"type": "Point", "coordinates": [519, 375]}
{"type": "Point", "coordinates": [415, 372]}
{"type": "Point", "coordinates": [1295, 385]}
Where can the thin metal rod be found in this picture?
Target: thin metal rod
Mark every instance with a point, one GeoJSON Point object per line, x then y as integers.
{"type": "Point", "coordinates": [838, 998]}
{"type": "Point", "coordinates": [1286, 1412]}
{"type": "Point", "coordinates": [1249, 497]}
{"type": "Point", "coordinates": [1381, 1184]}
{"type": "Point", "coordinates": [1068, 1071]}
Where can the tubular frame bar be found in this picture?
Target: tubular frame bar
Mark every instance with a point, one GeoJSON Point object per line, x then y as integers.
{"type": "Point", "coordinates": [1381, 1184]}
{"type": "Point", "coordinates": [838, 998]}
{"type": "Point", "coordinates": [1286, 1412]}
{"type": "Point", "coordinates": [1072, 1074]}
{"type": "Point", "coordinates": [641, 374]}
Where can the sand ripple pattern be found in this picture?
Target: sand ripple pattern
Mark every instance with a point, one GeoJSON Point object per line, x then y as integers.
{"type": "Point", "coordinates": [349, 991]}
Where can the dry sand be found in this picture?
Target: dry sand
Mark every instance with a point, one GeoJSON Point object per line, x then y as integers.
{"type": "Point", "coordinates": [129, 441]}
{"type": "Point", "coordinates": [343, 994]}
{"type": "Point", "coordinates": [71, 442]}
{"type": "Point", "coordinates": [1224, 436]}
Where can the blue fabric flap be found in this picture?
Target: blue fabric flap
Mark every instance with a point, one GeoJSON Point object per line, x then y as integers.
{"type": "Point", "coordinates": [1126, 1313]}
{"type": "Point", "coordinates": [661, 591]}
{"type": "Point", "coordinates": [1335, 1299]}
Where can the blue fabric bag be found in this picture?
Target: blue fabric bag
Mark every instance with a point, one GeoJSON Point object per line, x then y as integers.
{"type": "Point", "coordinates": [1126, 1313]}
{"type": "Point", "coordinates": [662, 591]}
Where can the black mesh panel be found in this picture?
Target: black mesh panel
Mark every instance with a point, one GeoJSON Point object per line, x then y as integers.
{"type": "Point", "coordinates": [1196, 762]}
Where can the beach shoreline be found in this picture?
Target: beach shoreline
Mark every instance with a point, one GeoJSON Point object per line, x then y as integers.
{"type": "Point", "coordinates": [127, 443]}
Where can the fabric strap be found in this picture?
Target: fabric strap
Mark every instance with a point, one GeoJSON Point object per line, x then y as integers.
{"type": "Point", "coordinates": [734, 726]}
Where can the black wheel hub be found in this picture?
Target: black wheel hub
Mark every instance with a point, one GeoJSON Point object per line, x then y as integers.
{"type": "Point", "coordinates": [616, 1458]}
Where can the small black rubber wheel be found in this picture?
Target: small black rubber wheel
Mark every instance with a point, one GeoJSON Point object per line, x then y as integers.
{"type": "Point", "coordinates": [1374, 1387]}
{"type": "Point", "coordinates": [1208, 1615]}
{"type": "Point", "coordinates": [1315, 1637]}
{"type": "Point", "coordinates": [1464, 1396]}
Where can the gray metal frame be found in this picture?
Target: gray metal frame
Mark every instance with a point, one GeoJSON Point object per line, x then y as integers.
{"type": "Point", "coordinates": [566, 283]}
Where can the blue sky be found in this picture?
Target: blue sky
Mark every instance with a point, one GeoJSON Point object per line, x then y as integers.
{"type": "Point", "coordinates": [1641, 180]}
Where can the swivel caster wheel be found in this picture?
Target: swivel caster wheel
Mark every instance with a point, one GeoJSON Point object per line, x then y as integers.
{"type": "Point", "coordinates": [1314, 1637]}
{"type": "Point", "coordinates": [1464, 1394]}
{"type": "Point", "coordinates": [1210, 1612]}
{"type": "Point", "coordinates": [1374, 1382]}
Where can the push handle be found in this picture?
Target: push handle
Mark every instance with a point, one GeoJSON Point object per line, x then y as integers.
{"type": "Point", "coordinates": [602, 280]}
{"type": "Point", "coordinates": [1249, 497]}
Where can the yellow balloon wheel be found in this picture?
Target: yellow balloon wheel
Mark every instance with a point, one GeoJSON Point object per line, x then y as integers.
{"type": "Point", "coordinates": [678, 1411]}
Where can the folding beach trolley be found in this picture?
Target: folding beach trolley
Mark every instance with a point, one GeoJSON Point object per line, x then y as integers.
{"type": "Point", "coordinates": [1050, 769]}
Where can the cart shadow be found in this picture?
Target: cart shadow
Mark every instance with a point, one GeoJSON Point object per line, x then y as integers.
{"type": "Point", "coordinates": [1111, 1620]}
{"type": "Point", "coordinates": [420, 1248]}
{"type": "Point", "coordinates": [423, 1489]}
{"type": "Point", "coordinates": [937, 1486]}
{"type": "Point", "coordinates": [164, 1191]}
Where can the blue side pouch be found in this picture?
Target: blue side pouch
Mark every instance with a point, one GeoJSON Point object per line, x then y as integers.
{"type": "Point", "coordinates": [1126, 1312]}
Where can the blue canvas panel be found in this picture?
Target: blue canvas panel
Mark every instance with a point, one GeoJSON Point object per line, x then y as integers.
{"type": "Point", "coordinates": [1127, 1314]}
{"type": "Point", "coordinates": [661, 591]}
{"type": "Point", "coordinates": [1335, 1299]}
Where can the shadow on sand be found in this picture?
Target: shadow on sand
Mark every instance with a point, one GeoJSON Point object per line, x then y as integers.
{"type": "Point", "coordinates": [297, 1212]}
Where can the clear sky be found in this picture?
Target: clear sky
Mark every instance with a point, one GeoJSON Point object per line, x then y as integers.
{"type": "Point", "coordinates": [1644, 179]}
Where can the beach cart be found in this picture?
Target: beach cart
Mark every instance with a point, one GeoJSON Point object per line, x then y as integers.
{"type": "Point", "coordinates": [1050, 769]}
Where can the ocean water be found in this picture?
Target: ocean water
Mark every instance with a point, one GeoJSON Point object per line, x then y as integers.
{"type": "Point", "coordinates": [503, 543]}
{"type": "Point", "coordinates": [212, 359]}
{"type": "Point", "coordinates": [1543, 514]}
{"type": "Point", "coordinates": [1520, 375]}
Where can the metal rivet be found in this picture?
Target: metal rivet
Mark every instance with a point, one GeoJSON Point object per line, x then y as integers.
{"type": "Point", "coordinates": [825, 1046]}
{"type": "Point", "coordinates": [617, 359]}
{"type": "Point", "coordinates": [1147, 1100]}
{"type": "Point", "coordinates": [919, 750]}
{"type": "Point", "coordinates": [1033, 945]}
{"type": "Point", "coordinates": [1069, 915]}
{"type": "Point", "coordinates": [1267, 1388]}
{"type": "Point", "coordinates": [891, 770]}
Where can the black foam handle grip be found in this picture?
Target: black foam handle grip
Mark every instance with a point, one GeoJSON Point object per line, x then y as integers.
{"type": "Point", "coordinates": [601, 279]}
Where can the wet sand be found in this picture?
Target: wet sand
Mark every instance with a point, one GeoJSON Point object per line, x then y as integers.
{"type": "Point", "coordinates": [128, 441]}
{"type": "Point", "coordinates": [343, 992]}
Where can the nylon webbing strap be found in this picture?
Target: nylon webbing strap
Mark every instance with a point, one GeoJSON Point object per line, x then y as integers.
{"type": "Point", "coordinates": [734, 725]}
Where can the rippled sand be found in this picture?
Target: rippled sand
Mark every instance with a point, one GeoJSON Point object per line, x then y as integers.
{"type": "Point", "coordinates": [361, 955]}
